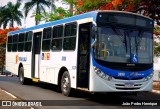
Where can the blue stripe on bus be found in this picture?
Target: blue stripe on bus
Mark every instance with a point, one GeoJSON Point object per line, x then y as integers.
{"type": "Point", "coordinates": [127, 74]}
{"type": "Point", "coordinates": [66, 20]}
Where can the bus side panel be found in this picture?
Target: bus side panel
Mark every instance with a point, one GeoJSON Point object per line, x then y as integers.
{"type": "Point", "coordinates": [50, 67]}
{"type": "Point", "coordinates": [27, 71]}
{"type": "Point", "coordinates": [45, 67]}
{"type": "Point", "coordinates": [25, 59]}
{"type": "Point", "coordinates": [11, 62]}
{"type": "Point", "coordinates": [63, 59]}
{"type": "Point", "coordinates": [69, 60]}
{"type": "Point", "coordinates": [56, 64]}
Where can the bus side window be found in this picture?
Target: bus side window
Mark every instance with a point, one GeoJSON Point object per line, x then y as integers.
{"type": "Point", "coordinates": [69, 41]}
{"type": "Point", "coordinates": [28, 41]}
{"type": "Point", "coordinates": [21, 41]}
{"type": "Point", "coordinates": [57, 38]}
{"type": "Point", "coordinates": [9, 45]}
{"type": "Point", "coordinates": [46, 39]}
{"type": "Point", "coordinates": [14, 45]}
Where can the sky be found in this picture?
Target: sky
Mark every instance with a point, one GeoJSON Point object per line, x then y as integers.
{"type": "Point", "coordinates": [29, 22]}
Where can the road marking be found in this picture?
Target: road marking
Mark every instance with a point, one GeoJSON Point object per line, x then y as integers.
{"type": "Point", "coordinates": [9, 94]}
{"type": "Point", "coordinates": [13, 96]}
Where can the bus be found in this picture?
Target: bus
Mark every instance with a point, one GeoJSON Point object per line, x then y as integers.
{"type": "Point", "coordinates": [98, 51]}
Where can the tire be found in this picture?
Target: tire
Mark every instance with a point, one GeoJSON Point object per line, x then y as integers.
{"type": "Point", "coordinates": [22, 79]}
{"type": "Point", "coordinates": [65, 84]}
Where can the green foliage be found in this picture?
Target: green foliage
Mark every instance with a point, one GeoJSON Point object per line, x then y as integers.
{"type": "Point", "coordinates": [108, 1]}
{"type": "Point", "coordinates": [39, 4]}
{"type": "Point", "coordinates": [9, 14]}
{"type": "Point", "coordinates": [157, 28]}
{"type": "Point", "coordinates": [58, 14]}
{"type": "Point", "coordinates": [89, 5]}
{"type": "Point", "coordinates": [2, 55]}
{"type": "Point", "coordinates": [157, 45]}
{"type": "Point", "coordinates": [157, 50]}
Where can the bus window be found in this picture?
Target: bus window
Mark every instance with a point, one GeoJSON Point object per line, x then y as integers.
{"type": "Point", "coordinates": [14, 46]}
{"type": "Point", "coordinates": [28, 41]}
{"type": "Point", "coordinates": [57, 38]}
{"type": "Point", "coordinates": [21, 42]}
{"type": "Point", "coordinates": [46, 39]}
{"type": "Point", "coordinates": [9, 45]}
{"type": "Point", "coordinates": [70, 36]}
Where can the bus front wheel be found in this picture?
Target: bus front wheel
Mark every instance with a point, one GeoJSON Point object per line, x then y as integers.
{"type": "Point", "coordinates": [22, 79]}
{"type": "Point", "coordinates": [65, 84]}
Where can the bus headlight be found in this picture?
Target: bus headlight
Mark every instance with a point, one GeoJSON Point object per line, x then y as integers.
{"type": "Point", "coordinates": [148, 77]}
{"type": "Point", "coordinates": [102, 74]}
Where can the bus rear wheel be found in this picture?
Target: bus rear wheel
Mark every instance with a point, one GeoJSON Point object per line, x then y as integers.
{"type": "Point", "coordinates": [22, 79]}
{"type": "Point", "coordinates": [65, 84]}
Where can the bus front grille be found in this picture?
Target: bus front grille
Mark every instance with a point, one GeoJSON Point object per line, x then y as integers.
{"type": "Point", "coordinates": [120, 78]}
{"type": "Point", "coordinates": [127, 88]}
{"type": "Point", "coordinates": [123, 87]}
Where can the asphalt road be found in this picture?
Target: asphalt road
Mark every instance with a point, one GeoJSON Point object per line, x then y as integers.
{"type": "Point", "coordinates": [79, 100]}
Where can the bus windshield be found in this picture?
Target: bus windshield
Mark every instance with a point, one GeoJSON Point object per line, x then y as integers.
{"type": "Point", "coordinates": [120, 45]}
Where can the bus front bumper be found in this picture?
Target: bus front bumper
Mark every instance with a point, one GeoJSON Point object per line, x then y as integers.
{"type": "Point", "coordinates": [98, 84]}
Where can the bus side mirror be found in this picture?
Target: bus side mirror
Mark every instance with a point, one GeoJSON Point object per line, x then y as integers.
{"type": "Point", "coordinates": [94, 31]}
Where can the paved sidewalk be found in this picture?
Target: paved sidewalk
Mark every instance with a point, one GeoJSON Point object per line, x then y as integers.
{"type": "Point", "coordinates": [156, 87]}
{"type": "Point", "coordinates": [6, 96]}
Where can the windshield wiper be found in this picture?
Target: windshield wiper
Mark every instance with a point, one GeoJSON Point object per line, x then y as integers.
{"type": "Point", "coordinates": [125, 36]}
{"type": "Point", "coordinates": [122, 37]}
{"type": "Point", "coordinates": [139, 37]}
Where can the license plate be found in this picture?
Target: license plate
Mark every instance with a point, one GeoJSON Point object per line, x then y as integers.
{"type": "Point", "coordinates": [129, 85]}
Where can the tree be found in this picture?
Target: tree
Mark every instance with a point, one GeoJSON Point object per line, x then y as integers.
{"type": "Point", "coordinates": [3, 38]}
{"type": "Point", "coordinates": [9, 14]}
{"type": "Point", "coordinates": [1, 8]}
{"type": "Point", "coordinates": [57, 14]}
{"type": "Point", "coordinates": [88, 5]}
{"type": "Point", "coordinates": [4, 32]}
{"type": "Point", "coordinates": [39, 4]}
{"type": "Point", "coordinates": [156, 43]}
{"type": "Point", "coordinates": [72, 4]}
{"type": "Point", "coordinates": [150, 8]}
{"type": "Point", "coordinates": [121, 5]}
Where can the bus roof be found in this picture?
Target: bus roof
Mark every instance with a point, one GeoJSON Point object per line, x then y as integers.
{"type": "Point", "coordinates": [91, 14]}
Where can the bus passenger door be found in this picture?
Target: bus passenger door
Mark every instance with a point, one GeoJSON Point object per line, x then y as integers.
{"type": "Point", "coordinates": [36, 48]}
{"type": "Point", "coordinates": [83, 63]}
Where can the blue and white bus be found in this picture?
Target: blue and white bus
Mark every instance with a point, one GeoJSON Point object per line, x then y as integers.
{"type": "Point", "coordinates": [98, 51]}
